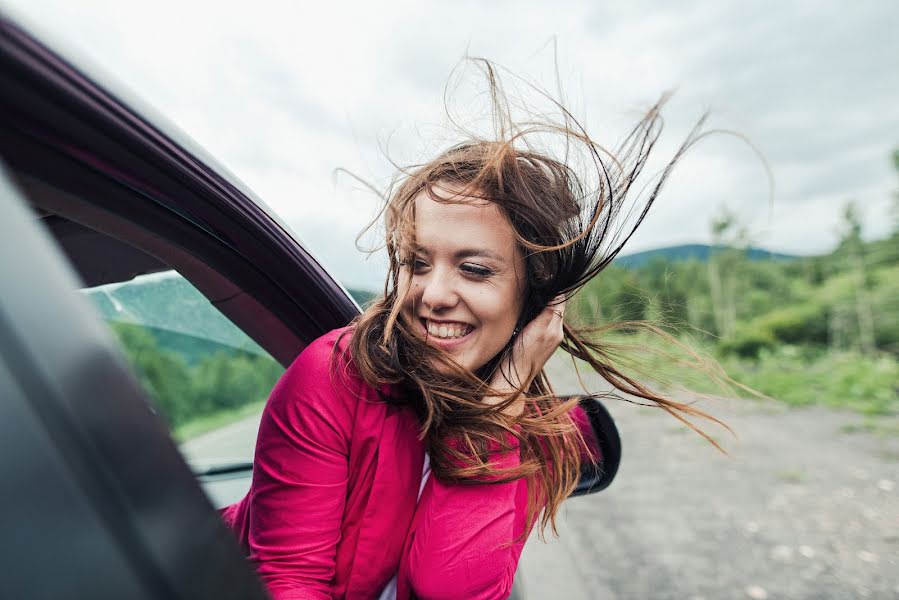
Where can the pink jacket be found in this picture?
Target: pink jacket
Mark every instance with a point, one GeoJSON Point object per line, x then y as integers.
{"type": "Point", "coordinates": [332, 511]}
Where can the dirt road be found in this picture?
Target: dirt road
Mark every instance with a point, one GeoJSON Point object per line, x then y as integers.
{"type": "Point", "coordinates": [802, 508]}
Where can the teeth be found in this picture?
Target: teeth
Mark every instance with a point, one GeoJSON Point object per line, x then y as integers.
{"type": "Point", "coordinates": [447, 331]}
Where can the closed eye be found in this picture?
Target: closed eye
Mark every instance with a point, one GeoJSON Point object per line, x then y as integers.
{"type": "Point", "coordinates": [477, 270]}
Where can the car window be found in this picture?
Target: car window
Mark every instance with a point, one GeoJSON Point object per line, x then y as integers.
{"type": "Point", "coordinates": [206, 378]}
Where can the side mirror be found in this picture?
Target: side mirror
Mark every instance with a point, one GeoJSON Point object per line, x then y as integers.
{"type": "Point", "coordinates": [600, 432]}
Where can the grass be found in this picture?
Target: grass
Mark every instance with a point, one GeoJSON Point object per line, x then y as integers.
{"type": "Point", "coordinates": [678, 429]}
{"type": "Point", "coordinates": [791, 476]}
{"type": "Point", "coordinates": [874, 426]}
{"type": "Point", "coordinates": [206, 423]}
{"type": "Point", "coordinates": [846, 380]}
{"type": "Point", "coordinates": [793, 375]}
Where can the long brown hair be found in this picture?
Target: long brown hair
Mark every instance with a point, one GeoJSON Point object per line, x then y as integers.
{"type": "Point", "coordinates": [568, 225]}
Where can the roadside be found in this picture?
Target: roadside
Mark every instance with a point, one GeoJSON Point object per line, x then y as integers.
{"type": "Point", "coordinates": [806, 505]}
{"type": "Point", "coordinates": [199, 426]}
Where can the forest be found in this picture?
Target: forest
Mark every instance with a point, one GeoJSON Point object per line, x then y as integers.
{"type": "Point", "coordinates": [804, 330]}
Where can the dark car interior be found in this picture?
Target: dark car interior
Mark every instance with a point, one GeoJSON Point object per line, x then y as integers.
{"type": "Point", "coordinates": [88, 251]}
{"type": "Point", "coordinates": [95, 493]}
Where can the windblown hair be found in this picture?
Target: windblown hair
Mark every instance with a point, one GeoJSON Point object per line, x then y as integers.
{"type": "Point", "coordinates": [567, 224]}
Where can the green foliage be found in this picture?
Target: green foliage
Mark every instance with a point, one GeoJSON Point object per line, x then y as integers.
{"type": "Point", "coordinates": [794, 324]}
{"type": "Point", "coordinates": [795, 375]}
{"type": "Point", "coordinates": [822, 329]}
{"type": "Point", "coordinates": [773, 302]}
{"type": "Point", "coordinates": [885, 304]}
{"type": "Point", "coordinates": [224, 381]}
{"type": "Point", "coordinates": [163, 375]}
{"type": "Point", "coordinates": [748, 342]}
{"type": "Point", "coordinates": [837, 379]}
{"type": "Point", "coordinates": [616, 296]}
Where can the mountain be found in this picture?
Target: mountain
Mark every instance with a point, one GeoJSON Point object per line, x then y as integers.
{"type": "Point", "coordinates": [178, 316]}
{"type": "Point", "coordinates": [174, 312]}
{"type": "Point", "coordinates": [362, 297]}
{"type": "Point", "coordinates": [691, 252]}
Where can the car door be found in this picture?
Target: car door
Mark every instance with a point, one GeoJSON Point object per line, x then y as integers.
{"type": "Point", "coordinates": [194, 276]}
{"type": "Point", "coordinates": [96, 501]}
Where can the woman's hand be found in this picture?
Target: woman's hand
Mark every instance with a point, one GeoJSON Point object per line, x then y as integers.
{"type": "Point", "coordinates": [531, 349]}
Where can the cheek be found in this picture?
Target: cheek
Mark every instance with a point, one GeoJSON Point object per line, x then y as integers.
{"type": "Point", "coordinates": [499, 309]}
{"type": "Point", "coordinates": [405, 291]}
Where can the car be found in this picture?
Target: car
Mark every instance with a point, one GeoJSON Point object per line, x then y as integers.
{"type": "Point", "coordinates": [145, 290]}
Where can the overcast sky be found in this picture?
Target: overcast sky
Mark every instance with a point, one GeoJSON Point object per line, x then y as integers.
{"type": "Point", "coordinates": [284, 93]}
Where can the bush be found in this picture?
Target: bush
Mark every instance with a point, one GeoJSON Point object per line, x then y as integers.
{"type": "Point", "coordinates": [885, 306]}
{"type": "Point", "coordinates": [748, 343]}
{"type": "Point", "coordinates": [164, 375]}
{"type": "Point", "coordinates": [796, 324]}
{"type": "Point", "coordinates": [226, 382]}
{"type": "Point", "coordinates": [837, 379]}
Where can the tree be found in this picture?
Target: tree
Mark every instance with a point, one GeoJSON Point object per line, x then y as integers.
{"type": "Point", "coordinates": [725, 266]}
{"type": "Point", "coordinates": [853, 250]}
{"type": "Point", "coordinates": [615, 295]}
{"type": "Point", "coordinates": [896, 196]}
{"type": "Point", "coordinates": [164, 375]}
{"type": "Point", "coordinates": [664, 284]}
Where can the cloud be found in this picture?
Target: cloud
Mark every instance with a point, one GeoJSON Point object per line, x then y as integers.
{"type": "Point", "coordinates": [283, 93]}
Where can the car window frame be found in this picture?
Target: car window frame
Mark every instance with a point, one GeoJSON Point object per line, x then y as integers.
{"type": "Point", "coordinates": [150, 189]}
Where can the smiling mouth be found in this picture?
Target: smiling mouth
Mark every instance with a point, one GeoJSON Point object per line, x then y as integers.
{"type": "Point", "coordinates": [446, 331]}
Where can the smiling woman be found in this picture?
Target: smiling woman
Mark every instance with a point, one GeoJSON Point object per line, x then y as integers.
{"type": "Point", "coordinates": [411, 453]}
{"type": "Point", "coordinates": [465, 277]}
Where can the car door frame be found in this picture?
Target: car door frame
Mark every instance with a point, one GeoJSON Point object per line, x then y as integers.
{"type": "Point", "coordinates": [154, 189]}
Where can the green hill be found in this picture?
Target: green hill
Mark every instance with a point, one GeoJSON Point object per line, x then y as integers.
{"type": "Point", "coordinates": [362, 297]}
{"type": "Point", "coordinates": [700, 252]}
{"type": "Point", "coordinates": [178, 316]}
{"type": "Point", "coordinates": [175, 312]}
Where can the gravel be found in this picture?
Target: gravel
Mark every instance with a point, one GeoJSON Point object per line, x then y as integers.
{"type": "Point", "coordinates": [805, 505]}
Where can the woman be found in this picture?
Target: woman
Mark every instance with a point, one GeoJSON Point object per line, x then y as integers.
{"type": "Point", "coordinates": [410, 454]}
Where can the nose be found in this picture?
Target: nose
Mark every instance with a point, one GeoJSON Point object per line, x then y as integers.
{"type": "Point", "coordinates": [437, 290]}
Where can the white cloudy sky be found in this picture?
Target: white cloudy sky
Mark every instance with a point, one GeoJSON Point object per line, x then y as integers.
{"type": "Point", "coordinates": [284, 93]}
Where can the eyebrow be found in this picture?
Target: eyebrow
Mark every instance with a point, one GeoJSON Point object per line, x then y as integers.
{"type": "Point", "coordinates": [466, 253]}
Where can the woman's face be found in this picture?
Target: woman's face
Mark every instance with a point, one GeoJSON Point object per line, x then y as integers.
{"type": "Point", "coordinates": [466, 281]}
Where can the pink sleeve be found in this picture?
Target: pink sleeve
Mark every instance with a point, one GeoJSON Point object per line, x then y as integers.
{"type": "Point", "coordinates": [463, 545]}
{"type": "Point", "coordinates": [300, 479]}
